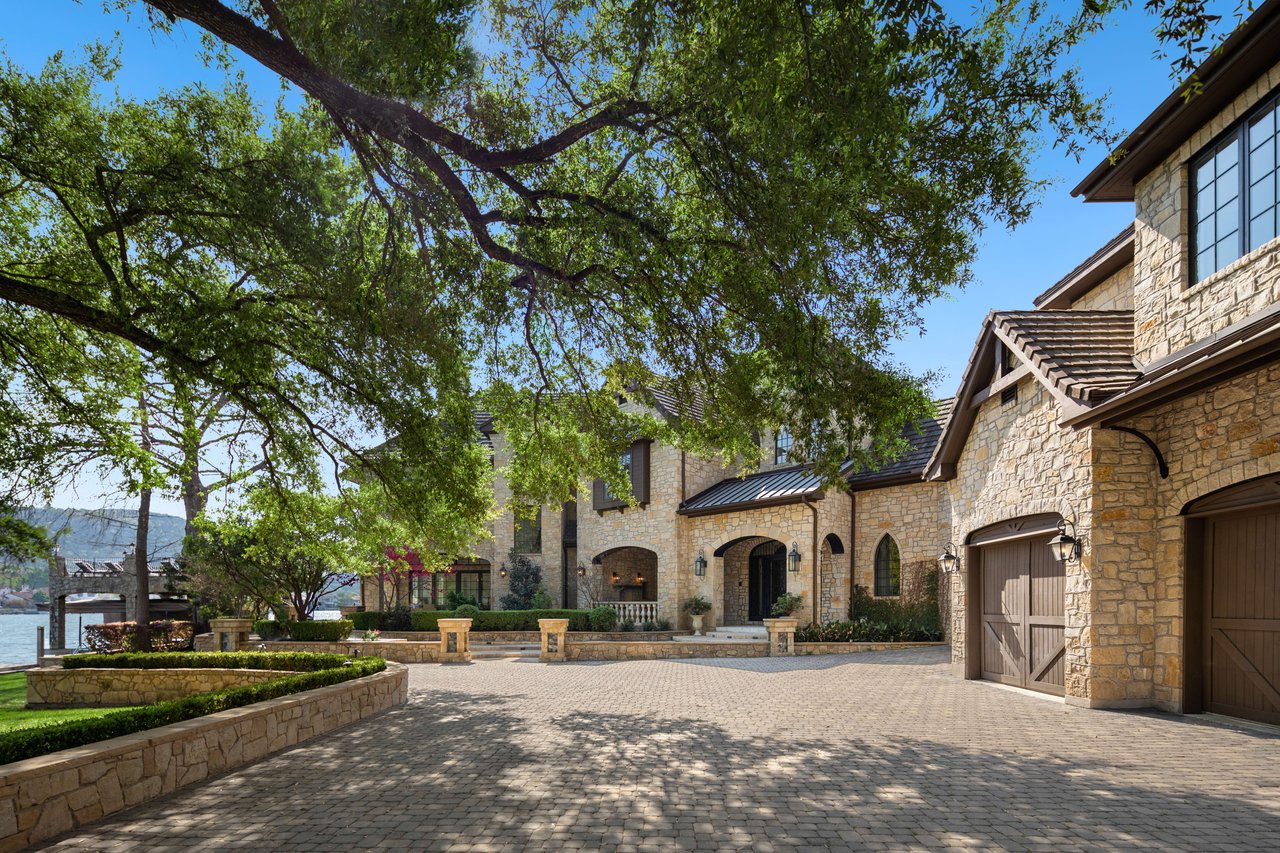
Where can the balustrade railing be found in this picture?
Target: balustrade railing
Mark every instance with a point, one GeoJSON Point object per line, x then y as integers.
{"type": "Point", "coordinates": [635, 611]}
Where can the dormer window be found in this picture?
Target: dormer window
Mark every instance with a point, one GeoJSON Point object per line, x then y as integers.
{"type": "Point", "coordinates": [1234, 192]}
{"type": "Point", "coordinates": [781, 445]}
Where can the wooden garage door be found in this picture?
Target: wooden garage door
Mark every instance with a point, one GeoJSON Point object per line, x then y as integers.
{"type": "Point", "coordinates": [1242, 609]}
{"type": "Point", "coordinates": [1023, 614]}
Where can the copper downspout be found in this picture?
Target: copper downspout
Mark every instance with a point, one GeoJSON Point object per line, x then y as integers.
{"type": "Point", "coordinates": [817, 581]}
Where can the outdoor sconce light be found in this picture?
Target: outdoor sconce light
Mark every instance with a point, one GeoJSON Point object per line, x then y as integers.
{"type": "Point", "coordinates": [1065, 546]}
{"type": "Point", "coordinates": [582, 571]}
{"type": "Point", "coordinates": [502, 572]}
{"type": "Point", "coordinates": [639, 579]}
{"type": "Point", "coordinates": [949, 562]}
{"type": "Point", "coordinates": [700, 564]}
{"type": "Point", "coordinates": [793, 558]}
{"type": "Point", "coordinates": [616, 579]}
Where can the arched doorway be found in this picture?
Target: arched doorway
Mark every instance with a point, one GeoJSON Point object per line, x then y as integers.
{"type": "Point", "coordinates": [766, 578]}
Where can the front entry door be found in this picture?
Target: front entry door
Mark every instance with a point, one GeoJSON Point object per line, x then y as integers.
{"type": "Point", "coordinates": [1023, 615]}
{"type": "Point", "coordinates": [766, 580]}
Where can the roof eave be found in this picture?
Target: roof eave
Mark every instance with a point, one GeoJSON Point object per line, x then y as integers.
{"type": "Point", "coordinates": [1231, 69]}
{"type": "Point", "coordinates": [740, 506]}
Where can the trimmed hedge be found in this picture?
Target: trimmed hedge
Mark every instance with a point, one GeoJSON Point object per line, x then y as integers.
{"type": "Point", "coordinates": [329, 631]}
{"type": "Point", "coordinates": [503, 620]}
{"type": "Point", "coordinates": [291, 661]}
{"type": "Point", "coordinates": [377, 620]}
{"type": "Point", "coordinates": [270, 629]}
{"type": "Point", "coordinates": [41, 740]}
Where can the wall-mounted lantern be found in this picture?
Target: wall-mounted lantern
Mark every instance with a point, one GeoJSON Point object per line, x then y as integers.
{"type": "Point", "coordinates": [793, 558]}
{"type": "Point", "coordinates": [617, 579]}
{"type": "Point", "coordinates": [700, 564]}
{"type": "Point", "coordinates": [1065, 546]}
{"type": "Point", "coordinates": [582, 571]}
{"type": "Point", "coordinates": [502, 572]}
{"type": "Point", "coordinates": [949, 561]}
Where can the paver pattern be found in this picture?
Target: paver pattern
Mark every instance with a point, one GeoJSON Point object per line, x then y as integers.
{"type": "Point", "coordinates": [882, 750]}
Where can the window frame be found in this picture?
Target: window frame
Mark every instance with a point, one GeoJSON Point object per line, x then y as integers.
{"type": "Point", "coordinates": [780, 453]}
{"type": "Point", "coordinates": [1237, 134]}
{"type": "Point", "coordinates": [638, 473]}
{"type": "Point", "coordinates": [517, 525]}
{"type": "Point", "coordinates": [887, 567]}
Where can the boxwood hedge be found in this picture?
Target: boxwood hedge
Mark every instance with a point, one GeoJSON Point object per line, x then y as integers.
{"type": "Point", "coordinates": [41, 740]}
{"type": "Point", "coordinates": [289, 661]}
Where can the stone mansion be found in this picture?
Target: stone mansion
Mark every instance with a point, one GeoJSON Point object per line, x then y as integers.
{"type": "Point", "coordinates": [1105, 484]}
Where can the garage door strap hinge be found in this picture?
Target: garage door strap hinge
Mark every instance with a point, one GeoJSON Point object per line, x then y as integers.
{"type": "Point", "coordinates": [1164, 466]}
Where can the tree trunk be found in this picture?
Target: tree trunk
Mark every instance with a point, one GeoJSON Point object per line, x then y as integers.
{"type": "Point", "coordinates": [193, 501]}
{"type": "Point", "coordinates": [141, 546]}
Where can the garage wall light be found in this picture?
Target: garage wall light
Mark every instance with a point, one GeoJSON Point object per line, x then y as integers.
{"type": "Point", "coordinates": [949, 560]}
{"type": "Point", "coordinates": [1065, 546]}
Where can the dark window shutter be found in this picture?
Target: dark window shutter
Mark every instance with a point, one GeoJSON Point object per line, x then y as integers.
{"type": "Point", "coordinates": [640, 471]}
{"type": "Point", "coordinates": [597, 495]}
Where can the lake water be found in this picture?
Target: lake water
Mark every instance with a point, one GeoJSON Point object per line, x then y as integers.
{"type": "Point", "coordinates": [18, 634]}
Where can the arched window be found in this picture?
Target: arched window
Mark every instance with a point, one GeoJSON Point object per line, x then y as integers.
{"type": "Point", "coordinates": [888, 567]}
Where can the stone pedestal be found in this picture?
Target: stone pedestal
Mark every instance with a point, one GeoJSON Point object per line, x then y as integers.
{"type": "Point", "coordinates": [782, 636]}
{"type": "Point", "coordinates": [230, 634]}
{"type": "Point", "coordinates": [555, 635]}
{"type": "Point", "coordinates": [455, 645]}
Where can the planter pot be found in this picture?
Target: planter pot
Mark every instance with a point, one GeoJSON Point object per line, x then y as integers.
{"type": "Point", "coordinates": [696, 623]}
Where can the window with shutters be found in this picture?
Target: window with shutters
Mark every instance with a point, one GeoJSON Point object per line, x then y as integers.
{"type": "Point", "coordinates": [635, 461]}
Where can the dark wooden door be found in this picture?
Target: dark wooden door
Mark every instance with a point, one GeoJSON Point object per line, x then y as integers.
{"type": "Point", "coordinates": [1023, 614]}
{"type": "Point", "coordinates": [766, 580]}
{"type": "Point", "coordinates": [1242, 610]}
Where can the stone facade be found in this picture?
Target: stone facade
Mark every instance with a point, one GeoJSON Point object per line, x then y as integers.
{"type": "Point", "coordinates": [52, 794]}
{"type": "Point", "coordinates": [914, 515]}
{"type": "Point", "coordinates": [102, 688]}
{"type": "Point", "coordinates": [1113, 294]}
{"type": "Point", "coordinates": [1170, 310]}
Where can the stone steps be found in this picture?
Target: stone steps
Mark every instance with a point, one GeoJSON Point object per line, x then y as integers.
{"type": "Point", "coordinates": [498, 651]}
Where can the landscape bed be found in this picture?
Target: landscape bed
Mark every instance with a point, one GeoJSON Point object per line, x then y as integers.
{"type": "Point", "coordinates": [299, 671]}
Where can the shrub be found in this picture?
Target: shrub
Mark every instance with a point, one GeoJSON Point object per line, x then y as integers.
{"type": "Point", "coordinates": [524, 579]}
{"type": "Point", "coordinates": [880, 620]}
{"type": "Point", "coordinates": [602, 618]}
{"type": "Point", "coordinates": [454, 599]}
{"type": "Point", "coordinates": [662, 625]}
{"type": "Point", "coordinates": [396, 619]}
{"type": "Point", "coordinates": [166, 636]}
{"type": "Point", "coordinates": [19, 744]}
{"type": "Point", "coordinates": [541, 600]}
{"type": "Point", "coordinates": [467, 611]}
{"type": "Point", "coordinates": [649, 625]}
{"type": "Point", "coordinates": [425, 620]}
{"type": "Point", "coordinates": [270, 629]}
{"type": "Point", "coordinates": [787, 603]}
{"type": "Point", "coordinates": [367, 620]}
{"type": "Point", "coordinates": [696, 605]}
{"type": "Point", "coordinates": [627, 625]}
{"type": "Point", "coordinates": [312, 631]}
{"type": "Point", "coordinates": [504, 620]}
{"type": "Point", "coordinates": [292, 661]}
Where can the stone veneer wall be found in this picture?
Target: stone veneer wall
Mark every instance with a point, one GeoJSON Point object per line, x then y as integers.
{"type": "Point", "coordinates": [550, 559]}
{"type": "Point", "coordinates": [52, 794]}
{"type": "Point", "coordinates": [914, 515]}
{"type": "Point", "coordinates": [1113, 294]}
{"type": "Point", "coordinates": [584, 651]}
{"type": "Point", "coordinates": [100, 688]}
{"type": "Point", "coordinates": [628, 563]}
{"type": "Point", "coordinates": [1170, 311]}
{"type": "Point", "coordinates": [1019, 462]}
{"type": "Point", "coordinates": [736, 561]}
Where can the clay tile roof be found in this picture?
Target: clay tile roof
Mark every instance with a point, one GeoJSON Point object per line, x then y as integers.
{"type": "Point", "coordinates": [1086, 355]}
{"type": "Point", "coordinates": [784, 485]}
{"type": "Point", "coordinates": [921, 438]}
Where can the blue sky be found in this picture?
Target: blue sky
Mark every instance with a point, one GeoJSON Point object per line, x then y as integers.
{"type": "Point", "coordinates": [1011, 267]}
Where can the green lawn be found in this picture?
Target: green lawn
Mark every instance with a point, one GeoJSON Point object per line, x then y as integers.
{"type": "Point", "coordinates": [14, 715]}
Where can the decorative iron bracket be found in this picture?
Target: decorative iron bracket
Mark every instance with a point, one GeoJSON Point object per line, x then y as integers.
{"type": "Point", "coordinates": [1160, 461]}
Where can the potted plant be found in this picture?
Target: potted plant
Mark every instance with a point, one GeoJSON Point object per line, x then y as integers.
{"type": "Point", "coordinates": [786, 604]}
{"type": "Point", "coordinates": [696, 606]}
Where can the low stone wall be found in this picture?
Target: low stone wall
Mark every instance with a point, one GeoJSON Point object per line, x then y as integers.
{"type": "Point", "coordinates": [584, 651]}
{"type": "Point", "coordinates": [102, 688]}
{"type": "Point", "coordinates": [481, 638]}
{"type": "Point", "coordinates": [850, 648]}
{"type": "Point", "coordinates": [46, 796]}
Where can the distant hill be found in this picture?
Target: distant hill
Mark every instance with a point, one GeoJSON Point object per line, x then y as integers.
{"type": "Point", "coordinates": [105, 534]}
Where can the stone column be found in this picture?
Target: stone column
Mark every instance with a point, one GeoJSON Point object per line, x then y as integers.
{"type": "Point", "coordinates": [230, 634]}
{"type": "Point", "coordinates": [555, 636]}
{"type": "Point", "coordinates": [57, 621]}
{"type": "Point", "coordinates": [39, 645]}
{"type": "Point", "coordinates": [455, 646]}
{"type": "Point", "coordinates": [782, 636]}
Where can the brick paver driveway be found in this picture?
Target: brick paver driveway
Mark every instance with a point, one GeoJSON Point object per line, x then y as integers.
{"type": "Point", "coordinates": [872, 751]}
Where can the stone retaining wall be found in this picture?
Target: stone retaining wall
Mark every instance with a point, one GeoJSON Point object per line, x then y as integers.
{"type": "Point", "coordinates": [52, 794]}
{"type": "Point", "coordinates": [478, 638]}
{"type": "Point", "coordinates": [401, 652]}
{"type": "Point", "coordinates": [654, 651]}
{"type": "Point", "coordinates": [100, 688]}
{"type": "Point", "coordinates": [850, 648]}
